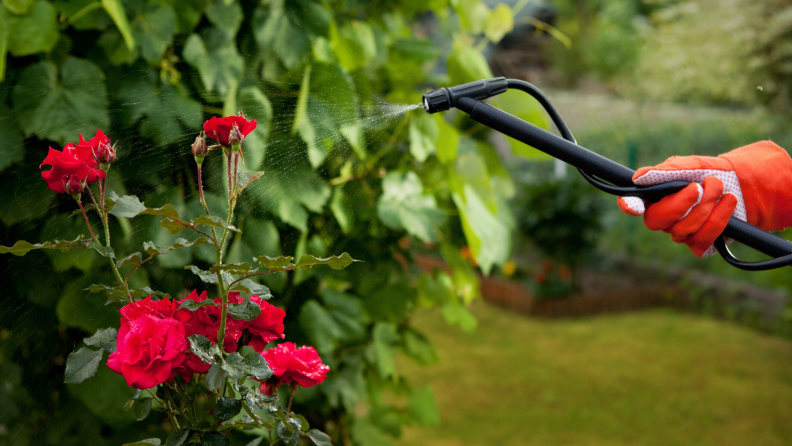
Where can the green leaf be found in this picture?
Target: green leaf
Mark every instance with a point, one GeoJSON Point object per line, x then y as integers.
{"type": "Point", "coordinates": [205, 276]}
{"type": "Point", "coordinates": [215, 221]}
{"type": "Point", "coordinates": [115, 9]}
{"type": "Point", "coordinates": [354, 44]}
{"type": "Point", "coordinates": [499, 22]}
{"type": "Point", "coordinates": [246, 311]}
{"type": "Point", "coordinates": [104, 251]}
{"type": "Point", "coordinates": [82, 364]}
{"type": "Point", "coordinates": [215, 377]}
{"type": "Point", "coordinates": [180, 243]}
{"type": "Point", "coordinates": [447, 140]}
{"type": "Point", "coordinates": [164, 111]}
{"type": "Point", "coordinates": [279, 262]}
{"type": "Point", "coordinates": [227, 408]}
{"type": "Point", "coordinates": [418, 347]}
{"type": "Point", "coordinates": [319, 325]}
{"type": "Point", "coordinates": [22, 247]}
{"type": "Point", "coordinates": [226, 15]}
{"type": "Point", "coordinates": [58, 107]}
{"type": "Point", "coordinates": [146, 442]}
{"type": "Point", "coordinates": [341, 209]}
{"type": "Point", "coordinates": [178, 438]}
{"type": "Point", "coordinates": [247, 177]}
{"type": "Point", "coordinates": [423, 136]}
{"type": "Point", "coordinates": [18, 7]}
{"type": "Point", "coordinates": [234, 268]}
{"type": "Point", "coordinates": [403, 205]}
{"type": "Point", "coordinates": [385, 345]}
{"type": "Point", "coordinates": [127, 206]}
{"type": "Point", "coordinates": [458, 315]}
{"type": "Point", "coordinates": [253, 364]}
{"type": "Point", "coordinates": [214, 54]}
{"type": "Point", "coordinates": [338, 262]}
{"type": "Point", "coordinates": [202, 347]}
{"type": "Point", "coordinates": [318, 437]}
{"type": "Point", "coordinates": [488, 237]}
{"type": "Point", "coordinates": [279, 30]}
{"type": "Point", "coordinates": [214, 439]}
{"type": "Point", "coordinates": [466, 64]}
{"type": "Point", "coordinates": [132, 259]}
{"type": "Point", "coordinates": [192, 305]}
{"type": "Point", "coordinates": [104, 338]}
{"type": "Point", "coordinates": [423, 407]}
{"type": "Point", "coordinates": [142, 408]}
{"type": "Point", "coordinates": [252, 287]}
{"type": "Point", "coordinates": [172, 227]}
{"type": "Point", "coordinates": [472, 14]}
{"type": "Point", "coordinates": [31, 33]}
{"type": "Point", "coordinates": [153, 29]}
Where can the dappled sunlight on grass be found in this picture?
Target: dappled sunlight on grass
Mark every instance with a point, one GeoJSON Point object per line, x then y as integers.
{"type": "Point", "coordinates": [650, 378]}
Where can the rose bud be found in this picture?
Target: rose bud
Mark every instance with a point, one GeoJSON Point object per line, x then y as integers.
{"type": "Point", "coordinates": [105, 153]}
{"type": "Point", "coordinates": [199, 148]}
{"type": "Point", "coordinates": [73, 185]}
{"type": "Point", "coordinates": [235, 137]}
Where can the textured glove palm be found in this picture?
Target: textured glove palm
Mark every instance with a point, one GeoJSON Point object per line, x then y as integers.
{"type": "Point", "coordinates": [752, 183]}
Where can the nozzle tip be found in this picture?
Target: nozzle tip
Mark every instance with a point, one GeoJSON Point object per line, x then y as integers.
{"type": "Point", "coordinates": [437, 101]}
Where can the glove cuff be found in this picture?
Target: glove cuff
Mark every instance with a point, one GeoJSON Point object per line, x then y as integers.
{"type": "Point", "coordinates": [765, 173]}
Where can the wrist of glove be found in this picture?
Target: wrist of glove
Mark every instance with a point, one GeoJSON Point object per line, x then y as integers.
{"type": "Point", "coordinates": [752, 183]}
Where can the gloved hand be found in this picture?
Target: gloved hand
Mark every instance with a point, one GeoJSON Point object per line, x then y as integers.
{"type": "Point", "coordinates": [753, 183]}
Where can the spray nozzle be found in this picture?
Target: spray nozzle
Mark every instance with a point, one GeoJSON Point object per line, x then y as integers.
{"type": "Point", "coordinates": [444, 98]}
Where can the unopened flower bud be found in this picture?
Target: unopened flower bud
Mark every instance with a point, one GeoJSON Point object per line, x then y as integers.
{"type": "Point", "coordinates": [199, 148]}
{"type": "Point", "coordinates": [73, 185]}
{"type": "Point", "coordinates": [235, 137]}
{"type": "Point", "coordinates": [105, 153]}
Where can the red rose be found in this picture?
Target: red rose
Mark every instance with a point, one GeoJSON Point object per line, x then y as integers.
{"type": "Point", "coordinates": [220, 128]}
{"type": "Point", "coordinates": [100, 147]}
{"type": "Point", "coordinates": [267, 327]}
{"type": "Point", "coordinates": [302, 365]}
{"type": "Point", "coordinates": [160, 308]}
{"type": "Point", "coordinates": [206, 321]}
{"type": "Point", "coordinates": [75, 161]}
{"type": "Point", "coordinates": [150, 350]}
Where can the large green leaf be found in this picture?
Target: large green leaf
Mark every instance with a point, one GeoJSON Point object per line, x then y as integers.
{"type": "Point", "coordinates": [499, 22]}
{"type": "Point", "coordinates": [153, 29]}
{"type": "Point", "coordinates": [214, 54]}
{"type": "Point", "coordinates": [164, 111]}
{"type": "Point", "coordinates": [82, 364]}
{"type": "Point", "coordinates": [423, 407]}
{"type": "Point", "coordinates": [18, 7]}
{"type": "Point", "coordinates": [278, 29]}
{"type": "Point", "coordinates": [423, 136]}
{"type": "Point", "coordinates": [34, 32]}
{"type": "Point", "coordinates": [386, 341]}
{"type": "Point", "coordinates": [403, 205]}
{"type": "Point", "coordinates": [465, 64]}
{"type": "Point", "coordinates": [104, 396]}
{"type": "Point", "coordinates": [472, 14]}
{"type": "Point", "coordinates": [354, 44]}
{"type": "Point", "coordinates": [226, 15]}
{"type": "Point", "coordinates": [58, 107]}
{"type": "Point", "coordinates": [287, 192]}
{"type": "Point", "coordinates": [488, 237]}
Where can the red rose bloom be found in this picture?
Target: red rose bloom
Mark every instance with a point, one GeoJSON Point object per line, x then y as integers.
{"type": "Point", "coordinates": [75, 161]}
{"type": "Point", "coordinates": [206, 321]}
{"type": "Point", "coordinates": [302, 365]}
{"type": "Point", "coordinates": [160, 308]}
{"type": "Point", "coordinates": [267, 327]}
{"type": "Point", "coordinates": [100, 147]}
{"type": "Point", "coordinates": [220, 128]}
{"type": "Point", "coordinates": [150, 349]}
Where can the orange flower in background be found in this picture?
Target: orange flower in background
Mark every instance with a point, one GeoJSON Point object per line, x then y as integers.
{"type": "Point", "coordinates": [547, 265]}
{"type": "Point", "coordinates": [466, 253]}
{"type": "Point", "coordinates": [509, 268]}
{"type": "Point", "coordinates": [564, 273]}
{"type": "Point", "coordinates": [540, 278]}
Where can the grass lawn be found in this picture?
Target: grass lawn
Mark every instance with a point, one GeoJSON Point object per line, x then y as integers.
{"type": "Point", "coordinates": [650, 378]}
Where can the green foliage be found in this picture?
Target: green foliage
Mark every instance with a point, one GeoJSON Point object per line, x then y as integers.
{"type": "Point", "coordinates": [330, 169]}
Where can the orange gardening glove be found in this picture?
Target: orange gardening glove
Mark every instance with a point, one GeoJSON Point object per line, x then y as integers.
{"type": "Point", "coordinates": [753, 183]}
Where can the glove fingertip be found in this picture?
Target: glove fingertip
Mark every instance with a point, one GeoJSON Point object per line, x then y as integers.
{"type": "Point", "coordinates": [632, 206]}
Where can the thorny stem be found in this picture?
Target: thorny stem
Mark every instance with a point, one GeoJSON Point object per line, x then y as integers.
{"type": "Point", "coordinates": [87, 222]}
{"type": "Point", "coordinates": [104, 217]}
{"type": "Point", "coordinates": [203, 202]}
{"type": "Point", "coordinates": [219, 253]}
{"type": "Point", "coordinates": [126, 281]}
{"type": "Point", "coordinates": [173, 408]}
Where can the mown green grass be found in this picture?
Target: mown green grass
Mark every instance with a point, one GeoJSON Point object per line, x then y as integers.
{"type": "Point", "coordinates": [650, 378]}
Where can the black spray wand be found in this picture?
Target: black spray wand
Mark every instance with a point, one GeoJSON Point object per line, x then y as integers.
{"type": "Point", "coordinates": [603, 173]}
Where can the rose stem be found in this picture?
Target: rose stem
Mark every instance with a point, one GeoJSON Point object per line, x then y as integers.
{"type": "Point", "coordinates": [87, 222]}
